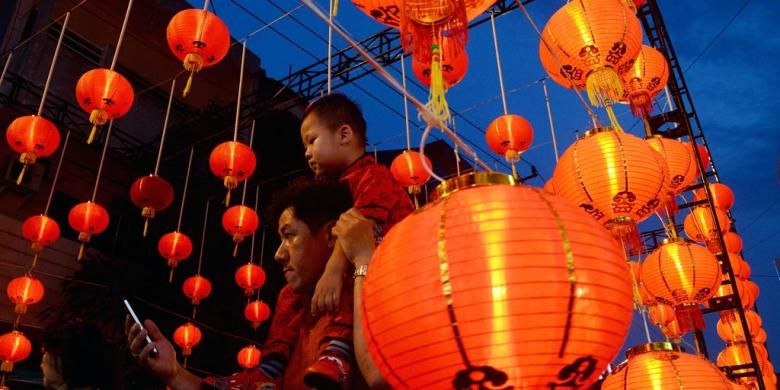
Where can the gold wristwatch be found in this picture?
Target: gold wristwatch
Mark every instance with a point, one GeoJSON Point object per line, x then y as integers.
{"type": "Point", "coordinates": [361, 270]}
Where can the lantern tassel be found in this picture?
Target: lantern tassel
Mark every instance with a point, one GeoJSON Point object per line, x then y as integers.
{"type": "Point", "coordinates": [227, 199]}
{"type": "Point", "coordinates": [92, 135]}
{"type": "Point", "coordinates": [335, 8]}
{"type": "Point", "coordinates": [170, 275]}
{"type": "Point", "coordinates": [34, 261]}
{"type": "Point", "coordinates": [625, 231]}
{"type": "Point", "coordinates": [437, 101]}
{"type": "Point", "coordinates": [670, 206]}
{"type": "Point", "coordinates": [21, 175]}
{"type": "Point", "coordinates": [689, 317]}
{"type": "Point", "coordinates": [235, 250]}
{"type": "Point", "coordinates": [641, 104]}
{"type": "Point", "coordinates": [146, 226]}
{"type": "Point", "coordinates": [604, 84]}
{"type": "Point", "coordinates": [81, 252]}
{"type": "Point", "coordinates": [188, 85]}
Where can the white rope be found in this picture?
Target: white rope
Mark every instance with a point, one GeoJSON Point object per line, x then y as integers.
{"type": "Point", "coordinates": [271, 23]}
{"type": "Point", "coordinates": [184, 192]}
{"type": "Point", "coordinates": [251, 141]}
{"type": "Point", "coordinates": [121, 34]}
{"type": "Point", "coordinates": [550, 118]}
{"type": "Point", "coordinates": [330, 44]}
{"type": "Point", "coordinates": [203, 235]}
{"type": "Point", "coordinates": [422, 153]}
{"type": "Point", "coordinates": [56, 173]}
{"type": "Point", "coordinates": [252, 248]}
{"type": "Point", "coordinates": [647, 327]}
{"type": "Point", "coordinates": [498, 63]}
{"type": "Point", "coordinates": [406, 103]}
{"type": "Point", "coordinates": [102, 159]}
{"type": "Point", "coordinates": [53, 64]}
{"type": "Point", "coordinates": [240, 84]}
{"type": "Point", "coordinates": [165, 128]}
{"type": "Point", "coordinates": [206, 5]}
{"type": "Point", "coordinates": [5, 67]}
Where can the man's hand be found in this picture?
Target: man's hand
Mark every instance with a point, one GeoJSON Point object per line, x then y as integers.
{"type": "Point", "coordinates": [355, 235]}
{"type": "Point", "coordinates": [163, 364]}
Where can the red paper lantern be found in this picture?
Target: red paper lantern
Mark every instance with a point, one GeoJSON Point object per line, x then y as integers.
{"type": "Point", "coordinates": [250, 277]}
{"type": "Point", "coordinates": [682, 165]}
{"type": "Point", "coordinates": [664, 318]}
{"type": "Point", "coordinates": [240, 221]}
{"type": "Point", "coordinates": [151, 194]}
{"type": "Point", "coordinates": [615, 177]}
{"type": "Point", "coordinates": [737, 354]}
{"type": "Point", "coordinates": [41, 231]}
{"type": "Point", "coordinates": [700, 227]}
{"type": "Point", "coordinates": [248, 357]}
{"type": "Point", "coordinates": [508, 282]}
{"type": "Point", "coordinates": [256, 312]}
{"type": "Point", "coordinates": [424, 23]}
{"type": "Point", "coordinates": [199, 39]}
{"type": "Point", "coordinates": [705, 156]}
{"type": "Point", "coordinates": [196, 288]}
{"type": "Point", "coordinates": [746, 294]}
{"type": "Point", "coordinates": [14, 347]}
{"type": "Point", "coordinates": [174, 247]}
{"type": "Point", "coordinates": [739, 266]}
{"type": "Point", "coordinates": [24, 291]}
{"type": "Point", "coordinates": [439, 61]}
{"type": "Point", "coordinates": [760, 336]}
{"type": "Point", "coordinates": [408, 169]}
{"type": "Point", "coordinates": [730, 326]}
{"type": "Point", "coordinates": [104, 94]}
{"type": "Point", "coordinates": [233, 162]}
{"type": "Point", "coordinates": [733, 242]}
{"type": "Point", "coordinates": [187, 337]}
{"type": "Point", "coordinates": [87, 218]}
{"type": "Point", "coordinates": [549, 187]}
{"type": "Point", "coordinates": [32, 136]}
{"type": "Point", "coordinates": [454, 64]}
{"type": "Point", "coordinates": [387, 12]}
{"type": "Point", "coordinates": [645, 79]}
{"type": "Point", "coordinates": [722, 196]}
{"type": "Point", "coordinates": [658, 366]}
{"type": "Point", "coordinates": [509, 135]}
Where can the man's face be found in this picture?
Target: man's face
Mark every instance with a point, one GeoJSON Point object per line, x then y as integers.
{"type": "Point", "coordinates": [302, 253]}
{"type": "Point", "coordinates": [322, 146]}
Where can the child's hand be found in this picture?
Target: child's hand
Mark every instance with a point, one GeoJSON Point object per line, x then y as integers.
{"type": "Point", "coordinates": [327, 292]}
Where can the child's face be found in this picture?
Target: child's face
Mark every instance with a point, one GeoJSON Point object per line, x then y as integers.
{"type": "Point", "coordinates": [322, 147]}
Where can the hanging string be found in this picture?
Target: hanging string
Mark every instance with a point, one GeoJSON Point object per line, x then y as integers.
{"type": "Point", "coordinates": [550, 118]}
{"type": "Point", "coordinates": [455, 149]}
{"type": "Point", "coordinates": [251, 141]}
{"type": "Point", "coordinates": [262, 247]}
{"type": "Point", "coordinates": [2, 77]}
{"type": "Point", "coordinates": [647, 327]}
{"type": "Point", "coordinates": [203, 236]}
{"type": "Point", "coordinates": [102, 160]}
{"type": "Point", "coordinates": [53, 63]}
{"type": "Point", "coordinates": [271, 23]}
{"type": "Point", "coordinates": [330, 44]}
{"type": "Point", "coordinates": [121, 34]}
{"type": "Point", "coordinates": [165, 128]}
{"type": "Point", "coordinates": [206, 5]}
{"type": "Point", "coordinates": [252, 248]}
{"type": "Point", "coordinates": [184, 192]}
{"type": "Point", "coordinates": [376, 155]}
{"type": "Point", "coordinates": [240, 84]}
{"type": "Point", "coordinates": [57, 173]}
{"type": "Point", "coordinates": [498, 63]}
{"type": "Point", "coordinates": [406, 104]}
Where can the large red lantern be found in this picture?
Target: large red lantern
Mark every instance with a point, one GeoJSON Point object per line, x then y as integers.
{"type": "Point", "coordinates": [481, 303]}
{"type": "Point", "coordinates": [645, 79]}
{"type": "Point", "coordinates": [509, 135]}
{"type": "Point", "coordinates": [615, 177]}
{"type": "Point", "coordinates": [196, 288]}
{"type": "Point", "coordinates": [700, 227]}
{"type": "Point", "coordinates": [407, 168]}
{"type": "Point", "coordinates": [233, 162]}
{"type": "Point", "coordinates": [187, 337]}
{"type": "Point", "coordinates": [87, 218]}
{"type": "Point", "coordinates": [104, 94]}
{"type": "Point", "coordinates": [248, 357]}
{"type": "Point", "coordinates": [32, 136]}
{"type": "Point", "coordinates": [24, 291]}
{"type": "Point", "coordinates": [658, 366]}
{"type": "Point", "coordinates": [199, 39]}
{"type": "Point", "coordinates": [250, 277]}
{"type": "Point", "coordinates": [174, 247]}
{"type": "Point", "coordinates": [722, 196]}
{"type": "Point", "coordinates": [454, 64]}
{"type": "Point", "coordinates": [683, 275]}
{"type": "Point", "coordinates": [14, 347]}
{"type": "Point", "coordinates": [240, 221]}
{"type": "Point", "coordinates": [41, 231]}
{"type": "Point", "coordinates": [151, 194]}
{"type": "Point", "coordinates": [440, 63]}
{"type": "Point", "coordinates": [256, 312]}
{"type": "Point", "coordinates": [730, 326]}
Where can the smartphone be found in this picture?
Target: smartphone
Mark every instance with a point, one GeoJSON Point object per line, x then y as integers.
{"type": "Point", "coordinates": [137, 321]}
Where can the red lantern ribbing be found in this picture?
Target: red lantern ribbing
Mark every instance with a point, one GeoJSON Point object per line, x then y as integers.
{"type": "Point", "coordinates": [239, 221]}
{"type": "Point", "coordinates": [41, 231]}
{"type": "Point", "coordinates": [248, 357]}
{"type": "Point", "coordinates": [151, 194]}
{"type": "Point", "coordinates": [87, 218]}
{"type": "Point", "coordinates": [14, 347]}
{"type": "Point", "coordinates": [722, 196]}
{"type": "Point", "coordinates": [730, 327]}
{"type": "Point", "coordinates": [700, 227]}
{"type": "Point", "coordinates": [509, 135]}
{"type": "Point", "coordinates": [32, 136]}
{"type": "Point", "coordinates": [250, 277]}
{"type": "Point", "coordinates": [407, 168]}
{"type": "Point", "coordinates": [174, 247]}
{"type": "Point", "coordinates": [24, 291]}
{"type": "Point", "coordinates": [233, 162]}
{"type": "Point", "coordinates": [196, 288]}
{"type": "Point", "coordinates": [645, 79]}
{"type": "Point", "coordinates": [256, 312]}
{"type": "Point", "coordinates": [187, 337]}
{"type": "Point", "coordinates": [105, 95]}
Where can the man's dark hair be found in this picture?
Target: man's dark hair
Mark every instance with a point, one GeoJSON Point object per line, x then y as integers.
{"type": "Point", "coordinates": [313, 202]}
{"type": "Point", "coordinates": [80, 354]}
{"type": "Point", "coordinates": [337, 109]}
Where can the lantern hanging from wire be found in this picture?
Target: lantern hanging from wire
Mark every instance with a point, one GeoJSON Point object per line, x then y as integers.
{"type": "Point", "coordinates": [199, 39]}
{"type": "Point", "coordinates": [722, 196]}
{"type": "Point", "coordinates": [733, 242]}
{"type": "Point", "coordinates": [87, 218]}
{"type": "Point", "coordinates": [699, 226]}
{"type": "Point", "coordinates": [730, 326]}
{"type": "Point", "coordinates": [566, 279]}
{"type": "Point", "coordinates": [41, 231]}
{"type": "Point", "coordinates": [14, 347]}
{"type": "Point", "coordinates": [664, 318]}
{"type": "Point", "coordinates": [196, 288]}
{"type": "Point", "coordinates": [746, 294]}
{"type": "Point", "coordinates": [588, 44]}
{"type": "Point", "coordinates": [442, 73]}
{"type": "Point", "coordinates": [151, 194]}
{"type": "Point", "coordinates": [24, 291]}
{"type": "Point", "coordinates": [174, 247]}
{"type": "Point", "coordinates": [248, 357]}
{"type": "Point", "coordinates": [239, 221]}
{"type": "Point", "coordinates": [256, 312]}
{"type": "Point", "coordinates": [509, 135]}
{"type": "Point", "coordinates": [187, 337]}
{"type": "Point", "coordinates": [105, 95]}
{"type": "Point", "coordinates": [683, 275]}
{"type": "Point", "coordinates": [250, 277]}
{"type": "Point", "coordinates": [739, 266]}
{"type": "Point", "coordinates": [454, 64]}
{"type": "Point", "coordinates": [737, 354]}
{"type": "Point", "coordinates": [646, 77]}
{"type": "Point", "coordinates": [657, 366]}
{"type": "Point", "coordinates": [233, 162]}
{"type": "Point", "coordinates": [407, 168]}
{"type": "Point", "coordinates": [32, 137]}
{"type": "Point", "coordinates": [682, 168]}
{"type": "Point", "coordinates": [615, 177]}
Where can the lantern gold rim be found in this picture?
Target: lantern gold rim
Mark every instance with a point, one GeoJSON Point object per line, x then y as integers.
{"type": "Point", "coordinates": [597, 130]}
{"type": "Point", "coordinates": [470, 180]}
{"type": "Point", "coordinates": [658, 346]}
{"type": "Point", "coordinates": [672, 240]}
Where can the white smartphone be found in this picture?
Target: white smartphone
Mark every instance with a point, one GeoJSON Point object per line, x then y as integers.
{"type": "Point", "coordinates": [137, 321]}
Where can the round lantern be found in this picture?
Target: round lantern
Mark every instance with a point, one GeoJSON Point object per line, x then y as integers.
{"type": "Point", "coordinates": [174, 247]}
{"type": "Point", "coordinates": [645, 79]}
{"type": "Point", "coordinates": [615, 177]}
{"type": "Point", "coordinates": [733, 242]}
{"type": "Point", "coordinates": [705, 156]}
{"type": "Point", "coordinates": [248, 357]}
{"type": "Point", "coordinates": [746, 294]}
{"type": "Point", "coordinates": [737, 354]}
{"type": "Point", "coordinates": [199, 39]}
{"type": "Point", "coordinates": [664, 366]}
{"type": "Point", "coordinates": [41, 231]}
{"type": "Point", "coordinates": [730, 326]}
{"type": "Point", "coordinates": [760, 336]}
{"type": "Point", "coordinates": [151, 194]}
{"type": "Point", "coordinates": [196, 288]}
{"type": "Point", "coordinates": [105, 95]}
{"type": "Point", "coordinates": [509, 283]}
{"type": "Point", "coordinates": [682, 275]}
{"type": "Point", "coordinates": [454, 64]}
{"type": "Point", "coordinates": [32, 136]}
{"type": "Point", "coordinates": [87, 218]}
{"type": "Point", "coordinates": [722, 196]}
{"type": "Point", "coordinates": [700, 227]}
{"type": "Point", "coordinates": [591, 42]}
{"type": "Point", "coordinates": [438, 61]}
{"type": "Point", "coordinates": [187, 337]}
{"type": "Point", "coordinates": [387, 12]}
{"type": "Point", "coordinates": [14, 347]}
{"type": "Point", "coordinates": [256, 312]}
{"type": "Point", "coordinates": [24, 291]}
{"type": "Point", "coordinates": [739, 266]}
{"type": "Point", "coordinates": [407, 168]}
{"type": "Point", "coordinates": [682, 166]}
{"type": "Point", "coordinates": [661, 314]}
{"type": "Point", "coordinates": [233, 162]}
{"type": "Point", "coordinates": [509, 135]}
{"type": "Point", "coordinates": [239, 221]}
{"type": "Point", "coordinates": [250, 277]}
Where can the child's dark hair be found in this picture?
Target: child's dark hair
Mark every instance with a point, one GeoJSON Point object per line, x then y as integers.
{"type": "Point", "coordinates": [313, 202]}
{"type": "Point", "coordinates": [337, 109]}
{"type": "Point", "coordinates": [82, 356]}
